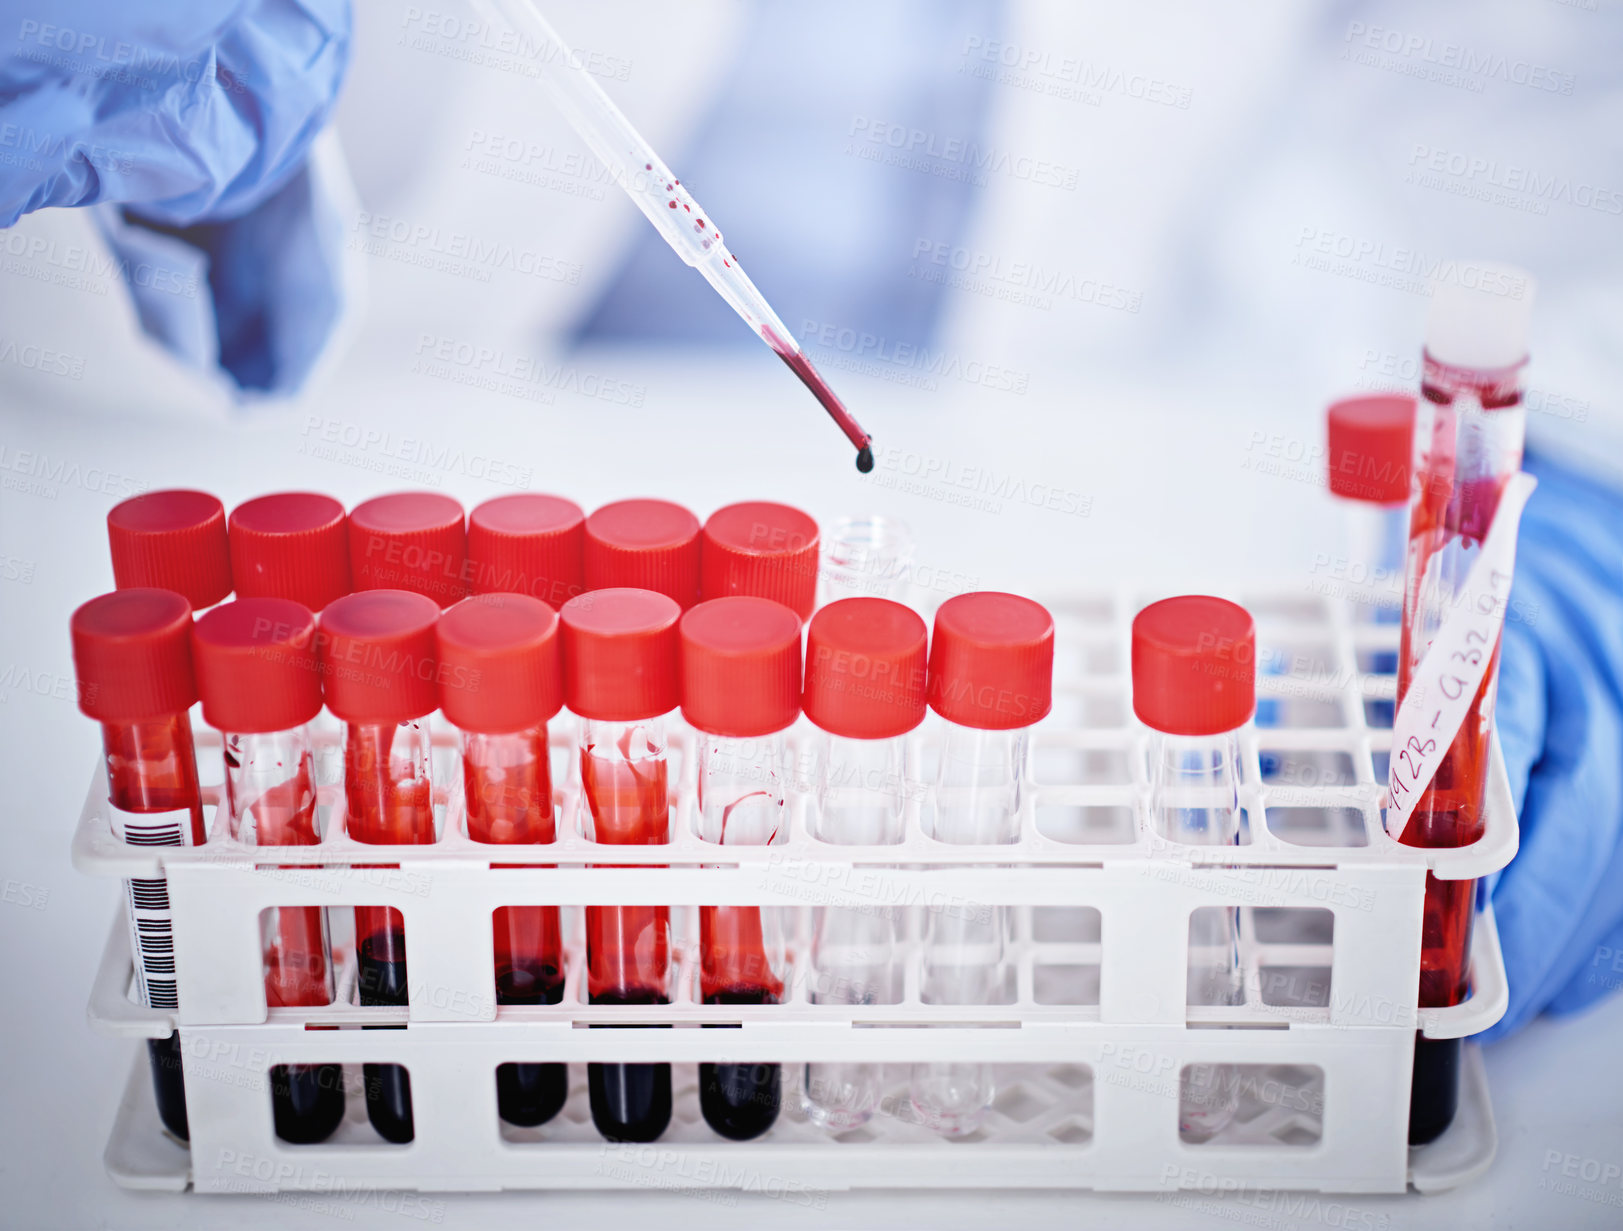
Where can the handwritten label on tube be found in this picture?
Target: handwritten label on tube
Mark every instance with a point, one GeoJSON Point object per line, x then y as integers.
{"type": "Point", "coordinates": [1451, 670]}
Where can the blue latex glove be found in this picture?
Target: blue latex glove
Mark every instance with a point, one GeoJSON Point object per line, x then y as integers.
{"type": "Point", "coordinates": [196, 118]}
{"type": "Point", "coordinates": [1560, 720]}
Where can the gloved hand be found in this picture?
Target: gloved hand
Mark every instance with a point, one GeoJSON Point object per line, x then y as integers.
{"type": "Point", "coordinates": [189, 123]}
{"type": "Point", "coordinates": [1560, 717]}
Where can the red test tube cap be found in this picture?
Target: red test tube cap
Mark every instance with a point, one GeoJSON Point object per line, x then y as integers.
{"type": "Point", "coordinates": [528, 543]}
{"type": "Point", "coordinates": [132, 654]}
{"type": "Point", "coordinates": [378, 656]}
{"type": "Point", "coordinates": [500, 664]}
{"type": "Point", "coordinates": [866, 660]}
{"type": "Point", "coordinates": [992, 661]}
{"type": "Point", "coordinates": [172, 540]}
{"type": "Point", "coordinates": [646, 545]}
{"type": "Point", "coordinates": [621, 650]}
{"type": "Point", "coordinates": [292, 545]}
{"type": "Point", "coordinates": [761, 548]}
{"type": "Point", "coordinates": [1194, 665]}
{"type": "Point", "coordinates": [256, 665]}
{"type": "Point", "coordinates": [1371, 447]}
{"type": "Point", "coordinates": [410, 541]}
{"type": "Point", "coordinates": [740, 666]}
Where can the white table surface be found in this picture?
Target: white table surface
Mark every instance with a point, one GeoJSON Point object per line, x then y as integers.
{"type": "Point", "coordinates": [1172, 488]}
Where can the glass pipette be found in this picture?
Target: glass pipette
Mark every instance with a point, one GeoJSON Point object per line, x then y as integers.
{"type": "Point", "coordinates": [670, 207]}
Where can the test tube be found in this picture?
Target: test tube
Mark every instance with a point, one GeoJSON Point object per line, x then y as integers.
{"type": "Point", "coordinates": [1469, 429]}
{"type": "Point", "coordinates": [990, 677]}
{"type": "Point", "coordinates": [501, 682]}
{"type": "Point", "coordinates": [868, 556]}
{"type": "Point", "coordinates": [132, 656]}
{"type": "Point", "coordinates": [172, 540]}
{"type": "Point", "coordinates": [741, 692]}
{"type": "Point", "coordinates": [760, 548]}
{"type": "Point", "coordinates": [260, 686]}
{"type": "Point", "coordinates": [292, 545]}
{"type": "Point", "coordinates": [379, 677]}
{"type": "Point", "coordinates": [412, 541]}
{"type": "Point", "coordinates": [1194, 686]}
{"type": "Point", "coordinates": [864, 691]}
{"type": "Point", "coordinates": [644, 544]}
{"type": "Point", "coordinates": [1370, 445]}
{"type": "Point", "coordinates": [528, 543]}
{"type": "Point", "coordinates": [621, 675]}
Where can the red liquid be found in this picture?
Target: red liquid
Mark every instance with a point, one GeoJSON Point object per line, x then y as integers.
{"type": "Point", "coordinates": [390, 800]}
{"type": "Point", "coordinates": [1463, 468]}
{"type": "Point", "coordinates": [1453, 511]}
{"type": "Point", "coordinates": [508, 786]}
{"type": "Point", "coordinates": [734, 957]}
{"type": "Point", "coordinates": [627, 947]}
{"type": "Point", "coordinates": [813, 380]}
{"type": "Point", "coordinates": [296, 967]}
{"type": "Point", "coordinates": [152, 767]}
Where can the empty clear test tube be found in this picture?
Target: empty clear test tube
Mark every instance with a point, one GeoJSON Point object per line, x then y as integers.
{"type": "Point", "coordinates": [501, 682]}
{"type": "Point", "coordinates": [260, 686]}
{"type": "Point", "coordinates": [1194, 686]}
{"type": "Point", "coordinates": [990, 677]}
{"type": "Point", "coordinates": [741, 692]}
{"type": "Point", "coordinates": [132, 659]}
{"type": "Point", "coordinates": [379, 668]}
{"type": "Point", "coordinates": [864, 691]}
{"type": "Point", "coordinates": [621, 677]}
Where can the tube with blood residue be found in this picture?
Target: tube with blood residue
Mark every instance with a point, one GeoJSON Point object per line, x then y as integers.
{"type": "Point", "coordinates": [991, 676]}
{"type": "Point", "coordinates": [260, 686]}
{"type": "Point", "coordinates": [501, 682]}
{"type": "Point", "coordinates": [1469, 429]}
{"type": "Point", "coordinates": [741, 691]}
{"type": "Point", "coordinates": [379, 671]}
{"type": "Point", "coordinates": [1194, 685]}
{"type": "Point", "coordinates": [132, 657]}
{"type": "Point", "coordinates": [864, 691]}
{"type": "Point", "coordinates": [621, 677]}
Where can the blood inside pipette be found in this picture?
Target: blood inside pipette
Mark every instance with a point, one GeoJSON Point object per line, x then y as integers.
{"type": "Point", "coordinates": [813, 380]}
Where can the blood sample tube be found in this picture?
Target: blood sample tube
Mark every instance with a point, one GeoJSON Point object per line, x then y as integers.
{"type": "Point", "coordinates": [621, 677]}
{"type": "Point", "coordinates": [528, 543]}
{"type": "Point", "coordinates": [740, 691]}
{"type": "Point", "coordinates": [760, 548]}
{"type": "Point", "coordinates": [172, 540]}
{"type": "Point", "coordinates": [260, 686]}
{"type": "Point", "coordinates": [1194, 686]}
{"type": "Point", "coordinates": [864, 691]}
{"type": "Point", "coordinates": [132, 655]}
{"type": "Point", "coordinates": [1371, 443]}
{"type": "Point", "coordinates": [501, 682]}
{"type": "Point", "coordinates": [379, 677]}
{"type": "Point", "coordinates": [292, 545]}
{"type": "Point", "coordinates": [1469, 429]}
{"type": "Point", "coordinates": [990, 677]}
{"type": "Point", "coordinates": [412, 541]}
{"type": "Point", "coordinates": [647, 544]}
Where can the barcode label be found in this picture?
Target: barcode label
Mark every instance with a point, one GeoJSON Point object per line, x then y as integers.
{"type": "Point", "coordinates": [152, 925]}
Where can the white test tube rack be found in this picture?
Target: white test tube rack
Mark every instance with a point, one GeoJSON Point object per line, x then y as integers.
{"type": "Point", "coordinates": [1088, 1047]}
